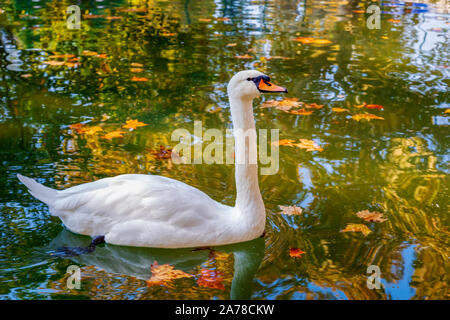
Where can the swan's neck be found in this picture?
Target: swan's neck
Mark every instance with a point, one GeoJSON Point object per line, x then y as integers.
{"type": "Point", "coordinates": [248, 198]}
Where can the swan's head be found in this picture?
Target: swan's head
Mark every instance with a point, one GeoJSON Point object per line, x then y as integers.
{"type": "Point", "coordinates": [250, 84]}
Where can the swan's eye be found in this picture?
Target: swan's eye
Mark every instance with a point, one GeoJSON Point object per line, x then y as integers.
{"type": "Point", "coordinates": [250, 79]}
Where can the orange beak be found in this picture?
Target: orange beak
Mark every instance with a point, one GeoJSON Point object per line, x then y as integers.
{"type": "Point", "coordinates": [266, 86]}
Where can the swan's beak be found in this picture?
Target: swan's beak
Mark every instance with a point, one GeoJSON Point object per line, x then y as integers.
{"type": "Point", "coordinates": [266, 86]}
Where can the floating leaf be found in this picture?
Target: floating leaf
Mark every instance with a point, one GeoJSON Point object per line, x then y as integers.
{"type": "Point", "coordinates": [232, 45]}
{"type": "Point", "coordinates": [77, 127]}
{"type": "Point", "coordinates": [133, 124]}
{"type": "Point", "coordinates": [210, 279]}
{"type": "Point", "coordinates": [26, 75]}
{"type": "Point", "coordinates": [314, 106]}
{"type": "Point", "coordinates": [337, 109]}
{"type": "Point", "coordinates": [139, 79]}
{"type": "Point", "coordinates": [137, 65]}
{"type": "Point", "coordinates": [358, 11]}
{"type": "Point", "coordinates": [164, 274]}
{"type": "Point", "coordinates": [370, 106]}
{"type": "Point", "coordinates": [353, 227]}
{"type": "Point", "coordinates": [366, 116]}
{"type": "Point", "coordinates": [447, 111]}
{"type": "Point", "coordinates": [296, 252]}
{"type": "Point", "coordinates": [309, 40]}
{"type": "Point", "coordinates": [89, 53]}
{"type": "Point", "coordinates": [114, 134]}
{"type": "Point", "coordinates": [291, 210]}
{"type": "Point", "coordinates": [54, 63]}
{"type": "Point", "coordinates": [245, 56]}
{"type": "Point", "coordinates": [61, 56]}
{"type": "Point", "coordinates": [102, 55]}
{"type": "Point", "coordinates": [136, 70]}
{"type": "Point", "coordinates": [90, 130]}
{"type": "Point", "coordinates": [371, 216]}
{"type": "Point", "coordinates": [204, 20]}
{"type": "Point", "coordinates": [163, 153]}
{"type": "Point", "coordinates": [303, 112]}
{"type": "Point", "coordinates": [223, 19]}
{"type": "Point", "coordinates": [284, 142]}
{"type": "Point", "coordinates": [394, 20]}
{"type": "Point", "coordinates": [309, 145]}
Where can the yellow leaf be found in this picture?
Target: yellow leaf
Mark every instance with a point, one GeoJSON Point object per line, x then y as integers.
{"type": "Point", "coordinates": [447, 111]}
{"type": "Point", "coordinates": [88, 53]}
{"type": "Point", "coordinates": [366, 116]}
{"type": "Point", "coordinates": [133, 124]}
{"type": "Point", "coordinates": [137, 65]}
{"type": "Point", "coordinates": [54, 63]}
{"type": "Point", "coordinates": [114, 134]}
{"type": "Point", "coordinates": [354, 227]}
{"type": "Point", "coordinates": [309, 40]}
{"type": "Point", "coordinates": [301, 112]}
{"type": "Point", "coordinates": [90, 130]}
{"type": "Point", "coordinates": [339, 109]}
{"type": "Point", "coordinates": [204, 20]}
{"type": "Point", "coordinates": [232, 45]}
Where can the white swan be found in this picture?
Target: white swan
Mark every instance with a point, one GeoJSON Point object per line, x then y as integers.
{"type": "Point", "coordinates": [154, 211]}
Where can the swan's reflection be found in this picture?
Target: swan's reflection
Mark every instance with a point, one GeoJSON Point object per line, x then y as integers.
{"type": "Point", "coordinates": [135, 262]}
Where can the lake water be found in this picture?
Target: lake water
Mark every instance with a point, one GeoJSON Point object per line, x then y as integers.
{"type": "Point", "coordinates": [167, 64]}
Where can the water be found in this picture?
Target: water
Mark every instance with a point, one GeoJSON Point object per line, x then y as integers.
{"type": "Point", "coordinates": [397, 166]}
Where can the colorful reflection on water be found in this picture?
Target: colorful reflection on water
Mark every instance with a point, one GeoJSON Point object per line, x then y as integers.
{"type": "Point", "coordinates": [167, 63]}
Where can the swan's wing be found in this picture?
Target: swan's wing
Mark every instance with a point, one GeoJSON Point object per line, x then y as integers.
{"type": "Point", "coordinates": [96, 207]}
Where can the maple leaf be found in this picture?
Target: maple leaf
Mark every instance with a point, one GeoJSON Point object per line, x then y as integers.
{"type": "Point", "coordinates": [284, 142]}
{"type": "Point", "coordinates": [245, 56]}
{"type": "Point", "coordinates": [447, 111]}
{"type": "Point", "coordinates": [367, 116]}
{"type": "Point", "coordinates": [77, 127]}
{"type": "Point", "coordinates": [339, 109]}
{"type": "Point", "coordinates": [371, 216]}
{"type": "Point", "coordinates": [139, 79]}
{"type": "Point", "coordinates": [309, 145]}
{"type": "Point", "coordinates": [133, 124]}
{"type": "Point", "coordinates": [210, 279]}
{"type": "Point", "coordinates": [354, 227]}
{"type": "Point", "coordinates": [114, 134]}
{"type": "Point", "coordinates": [291, 210]}
{"type": "Point", "coordinates": [164, 274]}
{"type": "Point", "coordinates": [296, 252]}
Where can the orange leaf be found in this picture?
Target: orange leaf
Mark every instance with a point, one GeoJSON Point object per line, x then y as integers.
{"type": "Point", "coordinates": [284, 142]}
{"type": "Point", "coordinates": [232, 45]}
{"type": "Point", "coordinates": [137, 65]}
{"type": "Point", "coordinates": [296, 252]}
{"type": "Point", "coordinates": [114, 134]}
{"type": "Point", "coordinates": [133, 124]}
{"type": "Point", "coordinates": [245, 56]}
{"type": "Point", "coordinates": [223, 19]}
{"type": "Point", "coordinates": [291, 210]}
{"type": "Point", "coordinates": [314, 106]}
{"type": "Point", "coordinates": [90, 130]}
{"type": "Point", "coordinates": [301, 111]}
{"type": "Point", "coordinates": [371, 216]}
{"type": "Point", "coordinates": [210, 279]}
{"type": "Point", "coordinates": [394, 21]}
{"type": "Point", "coordinates": [102, 55]}
{"type": "Point", "coordinates": [136, 70]}
{"type": "Point", "coordinates": [164, 274]}
{"type": "Point", "coordinates": [204, 20]}
{"type": "Point", "coordinates": [139, 79]}
{"type": "Point", "coordinates": [309, 145]}
{"type": "Point", "coordinates": [354, 227]}
{"type": "Point", "coordinates": [163, 153]}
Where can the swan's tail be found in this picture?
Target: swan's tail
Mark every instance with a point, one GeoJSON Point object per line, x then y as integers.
{"type": "Point", "coordinates": [37, 190]}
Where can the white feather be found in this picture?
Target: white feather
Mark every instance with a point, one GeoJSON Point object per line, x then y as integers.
{"type": "Point", "coordinates": [155, 211]}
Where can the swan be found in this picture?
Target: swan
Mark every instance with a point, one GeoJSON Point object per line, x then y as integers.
{"type": "Point", "coordinates": [154, 211]}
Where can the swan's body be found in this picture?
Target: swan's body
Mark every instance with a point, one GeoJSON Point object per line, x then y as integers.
{"type": "Point", "coordinates": [155, 211]}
